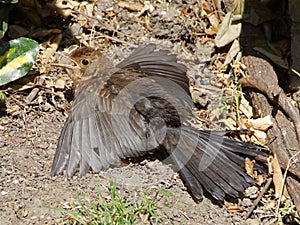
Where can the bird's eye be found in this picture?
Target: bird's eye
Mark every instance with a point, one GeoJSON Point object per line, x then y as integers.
{"type": "Point", "coordinates": [85, 62]}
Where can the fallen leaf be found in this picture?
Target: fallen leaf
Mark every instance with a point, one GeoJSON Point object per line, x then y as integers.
{"type": "Point", "coordinates": [278, 179]}
{"type": "Point", "coordinates": [245, 107]}
{"type": "Point", "coordinates": [232, 208]}
{"type": "Point", "coordinates": [25, 212]}
{"type": "Point", "coordinates": [261, 136]}
{"type": "Point", "coordinates": [60, 84]}
{"type": "Point", "coordinates": [260, 179]}
{"type": "Point", "coordinates": [259, 124]}
{"type": "Point", "coordinates": [249, 164]}
{"type": "Point", "coordinates": [136, 7]}
{"type": "Point", "coordinates": [233, 51]}
{"type": "Point", "coordinates": [230, 29]}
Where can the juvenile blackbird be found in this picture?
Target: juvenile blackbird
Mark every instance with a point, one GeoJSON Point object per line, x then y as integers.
{"type": "Point", "coordinates": [137, 106]}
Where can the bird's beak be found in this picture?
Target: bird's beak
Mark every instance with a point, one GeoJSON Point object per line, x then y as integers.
{"type": "Point", "coordinates": [74, 71]}
{"type": "Point", "coordinates": [66, 66]}
{"type": "Point", "coordinates": [69, 68]}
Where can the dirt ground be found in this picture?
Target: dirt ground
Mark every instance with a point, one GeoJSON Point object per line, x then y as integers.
{"type": "Point", "coordinates": [29, 131]}
{"type": "Point", "coordinates": [27, 148]}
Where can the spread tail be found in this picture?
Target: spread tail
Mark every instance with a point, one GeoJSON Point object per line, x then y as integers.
{"type": "Point", "coordinates": [209, 162]}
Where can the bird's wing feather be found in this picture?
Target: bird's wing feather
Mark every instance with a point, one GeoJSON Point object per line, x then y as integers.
{"type": "Point", "coordinates": [103, 126]}
{"type": "Point", "coordinates": [211, 161]}
{"type": "Point", "coordinates": [93, 137]}
{"type": "Point", "coordinates": [161, 63]}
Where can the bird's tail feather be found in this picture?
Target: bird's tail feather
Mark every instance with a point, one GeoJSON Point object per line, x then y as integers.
{"type": "Point", "coordinates": [210, 162]}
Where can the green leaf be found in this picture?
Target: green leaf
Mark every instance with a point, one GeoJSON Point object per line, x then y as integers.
{"type": "Point", "coordinates": [3, 20]}
{"type": "Point", "coordinates": [2, 97]}
{"type": "Point", "coordinates": [2, 100]}
{"type": "Point", "coordinates": [8, 1]}
{"type": "Point", "coordinates": [5, 6]}
{"type": "Point", "coordinates": [16, 59]}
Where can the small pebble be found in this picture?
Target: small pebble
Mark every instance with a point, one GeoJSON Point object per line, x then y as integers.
{"type": "Point", "coordinates": [246, 202]}
{"type": "Point", "coordinates": [4, 193]}
{"type": "Point", "coordinates": [15, 181]}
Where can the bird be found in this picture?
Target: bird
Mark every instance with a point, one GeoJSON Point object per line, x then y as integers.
{"type": "Point", "coordinates": [141, 105]}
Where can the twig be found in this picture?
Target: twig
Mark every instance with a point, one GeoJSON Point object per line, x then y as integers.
{"type": "Point", "coordinates": [275, 93]}
{"type": "Point", "coordinates": [283, 166]}
{"type": "Point", "coordinates": [283, 182]}
{"type": "Point", "coordinates": [34, 91]}
{"type": "Point", "coordinates": [120, 41]}
{"type": "Point", "coordinates": [291, 170]}
{"type": "Point", "coordinates": [261, 194]}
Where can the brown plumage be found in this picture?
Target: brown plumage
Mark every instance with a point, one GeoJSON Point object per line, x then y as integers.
{"type": "Point", "coordinates": [140, 105]}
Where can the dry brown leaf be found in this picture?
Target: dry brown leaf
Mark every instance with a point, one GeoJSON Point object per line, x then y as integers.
{"type": "Point", "coordinates": [233, 208]}
{"type": "Point", "coordinates": [40, 99]}
{"type": "Point", "coordinates": [233, 52]}
{"type": "Point", "coordinates": [230, 123]}
{"type": "Point", "coordinates": [26, 87]}
{"type": "Point", "coordinates": [245, 107]}
{"type": "Point", "coordinates": [110, 14]}
{"type": "Point", "coordinates": [205, 9]}
{"type": "Point", "coordinates": [60, 83]}
{"type": "Point", "coordinates": [214, 21]}
{"type": "Point", "coordinates": [31, 170]}
{"type": "Point", "coordinates": [230, 29]}
{"type": "Point", "coordinates": [249, 164]}
{"type": "Point", "coordinates": [270, 168]}
{"type": "Point", "coordinates": [51, 45]}
{"type": "Point", "coordinates": [14, 110]}
{"type": "Point", "coordinates": [261, 124]}
{"type": "Point", "coordinates": [278, 179]}
{"type": "Point", "coordinates": [43, 145]}
{"type": "Point", "coordinates": [210, 11]}
{"type": "Point", "coordinates": [261, 136]}
{"type": "Point", "coordinates": [44, 33]}
{"type": "Point", "coordinates": [147, 7]}
{"type": "Point", "coordinates": [260, 179]}
{"type": "Point", "coordinates": [25, 212]}
{"type": "Point", "coordinates": [133, 6]}
{"type": "Point", "coordinates": [89, 10]}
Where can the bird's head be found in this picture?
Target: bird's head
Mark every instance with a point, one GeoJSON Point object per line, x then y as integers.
{"type": "Point", "coordinates": [81, 58]}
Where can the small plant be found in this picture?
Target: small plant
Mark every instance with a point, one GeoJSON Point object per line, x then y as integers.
{"type": "Point", "coordinates": [5, 6]}
{"type": "Point", "coordinates": [17, 58]}
{"type": "Point", "coordinates": [113, 209]}
{"type": "Point", "coordinates": [288, 213]}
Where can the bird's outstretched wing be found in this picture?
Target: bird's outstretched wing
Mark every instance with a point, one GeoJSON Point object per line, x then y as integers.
{"type": "Point", "coordinates": [161, 63]}
{"type": "Point", "coordinates": [142, 104]}
{"type": "Point", "coordinates": [104, 125]}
